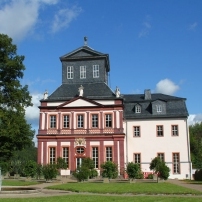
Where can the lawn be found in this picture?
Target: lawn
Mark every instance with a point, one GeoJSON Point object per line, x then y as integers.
{"type": "Point", "coordinates": [12, 182]}
{"type": "Point", "coordinates": [125, 188]}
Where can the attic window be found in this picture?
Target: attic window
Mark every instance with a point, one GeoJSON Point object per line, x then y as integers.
{"type": "Point", "coordinates": [158, 108]}
{"type": "Point", "coordinates": [137, 109]}
{"type": "Point", "coordinates": [95, 71]}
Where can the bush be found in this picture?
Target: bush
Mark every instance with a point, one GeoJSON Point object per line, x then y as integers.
{"type": "Point", "coordinates": [133, 170]}
{"type": "Point", "coordinates": [198, 175]}
{"type": "Point", "coordinates": [109, 170]}
{"type": "Point", "coordinates": [150, 176]}
{"type": "Point", "coordinates": [39, 171]}
{"type": "Point", "coordinates": [30, 168]}
{"type": "Point", "coordinates": [93, 173]}
{"type": "Point", "coordinates": [61, 164]}
{"type": "Point", "coordinates": [49, 171]}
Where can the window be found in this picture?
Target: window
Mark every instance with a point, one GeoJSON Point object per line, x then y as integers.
{"type": "Point", "coordinates": [137, 109]}
{"type": "Point", "coordinates": [65, 155]}
{"type": "Point", "coordinates": [82, 72]}
{"type": "Point", "coordinates": [108, 153]}
{"type": "Point", "coordinates": [175, 130]}
{"type": "Point", "coordinates": [66, 121]}
{"type": "Point", "coordinates": [161, 156]}
{"type": "Point", "coordinates": [70, 72]}
{"type": "Point", "coordinates": [53, 121]}
{"type": "Point", "coordinates": [158, 108]}
{"type": "Point", "coordinates": [95, 121]}
{"type": "Point", "coordinates": [80, 121]}
{"type": "Point", "coordinates": [176, 163]}
{"type": "Point", "coordinates": [52, 155]}
{"type": "Point", "coordinates": [95, 156]}
{"type": "Point", "coordinates": [108, 120]}
{"type": "Point", "coordinates": [136, 131]}
{"type": "Point", "coordinates": [159, 131]}
{"type": "Point", "coordinates": [80, 150]}
{"type": "Point", "coordinates": [137, 158]}
{"type": "Point", "coordinates": [95, 71]}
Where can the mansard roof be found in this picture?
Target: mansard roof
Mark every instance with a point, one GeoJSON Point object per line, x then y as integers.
{"type": "Point", "coordinates": [86, 53]}
{"type": "Point", "coordinates": [175, 106]}
{"type": "Point", "coordinates": [91, 91]}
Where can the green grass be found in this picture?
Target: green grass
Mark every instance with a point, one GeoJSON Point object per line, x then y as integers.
{"type": "Point", "coordinates": [12, 182]}
{"type": "Point", "coordinates": [125, 188]}
{"type": "Point", "coordinates": [93, 198]}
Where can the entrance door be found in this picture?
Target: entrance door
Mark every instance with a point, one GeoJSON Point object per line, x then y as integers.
{"type": "Point", "coordinates": [78, 162]}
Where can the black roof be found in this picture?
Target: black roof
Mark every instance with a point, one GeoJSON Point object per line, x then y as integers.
{"type": "Point", "coordinates": [91, 91]}
{"type": "Point", "coordinates": [175, 106]}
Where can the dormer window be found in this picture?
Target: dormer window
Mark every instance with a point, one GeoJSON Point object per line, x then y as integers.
{"type": "Point", "coordinates": [82, 72]}
{"type": "Point", "coordinates": [70, 72]}
{"type": "Point", "coordinates": [137, 109]}
{"type": "Point", "coordinates": [95, 71]}
{"type": "Point", "coordinates": [158, 108]}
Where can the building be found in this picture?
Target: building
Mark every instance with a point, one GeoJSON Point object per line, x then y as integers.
{"type": "Point", "coordinates": [84, 118]}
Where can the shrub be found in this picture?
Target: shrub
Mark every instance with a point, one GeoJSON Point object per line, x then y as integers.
{"type": "Point", "coordinates": [49, 171]}
{"type": "Point", "coordinates": [150, 176]}
{"type": "Point", "coordinates": [61, 164]}
{"type": "Point", "coordinates": [30, 168]}
{"type": "Point", "coordinates": [198, 175]}
{"type": "Point", "coordinates": [133, 170]}
{"type": "Point", "coordinates": [109, 170]}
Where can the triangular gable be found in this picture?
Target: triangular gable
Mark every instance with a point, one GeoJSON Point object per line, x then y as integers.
{"type": "Point", "coordinates": [80, 102]}
{"type": "Point", "coordinates": [82, 51]}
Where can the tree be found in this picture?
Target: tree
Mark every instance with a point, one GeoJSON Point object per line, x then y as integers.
{"type": "Point", "coordinates": [133, 170]}
{"type": "Point", "coordinates": [15, 132]}
{"type": "Point", "coordinates": [160, 168]}
{"type": "Point", "coordinates": [195, 132]}
{"type": "Point", "coordinates": [49, 171]}
{"type": "Point", "coordinates": [109, 170]}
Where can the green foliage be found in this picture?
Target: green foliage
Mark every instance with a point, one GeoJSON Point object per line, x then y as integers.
{"type": "Point", "coordinates": [150, 176]}
{"type": "Point", "coordinates": [30, 168]}
{"type": "Point", "coordinates": [15, 132]}
{"type": "Point", "coordinates": [82, 173]}
{"type": "Point", "coordinates": [198, 175]}
{"type": "Point", "coordinates": [39, 171]}
{"type": "Point", "coordinates": [61, 164]}
{"type": "Point", "coordinates": [160, 168]}
{"type": "Point", "coordinates": [49, 171]}
{"type": "Point", "coordinates": [195, 132]}
{"type": "Point", "coordinates": [133, 170]}
{"type": "Point", "coordinates": [109, 170]}
{"type": "Point", "coordinates": [86, 170]}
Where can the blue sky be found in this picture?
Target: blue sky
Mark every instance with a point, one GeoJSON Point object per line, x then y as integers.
{"type": "Point", "coordinates": [152, 44]}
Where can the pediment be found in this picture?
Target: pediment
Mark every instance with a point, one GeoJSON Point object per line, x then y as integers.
{"type": "Point", "coordinates": [80, 102]}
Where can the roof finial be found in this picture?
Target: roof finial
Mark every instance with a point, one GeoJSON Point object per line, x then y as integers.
{"type": "Point", "coordinates": [85, 41]}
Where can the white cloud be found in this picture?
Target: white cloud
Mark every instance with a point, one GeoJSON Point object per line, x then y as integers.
{"type": "Point", "coordinates": [146, 28]}
{"type": "Point", "coordinates": [32, 113]}
{"type": "Point", "coordinates": [194, 118]}
{"type": "Point", "coordinates": [193, 26]}
{"type": "Point", "coordinates": [18, 18]}
{"type": "Point", "coordinates": [64, 17]}
{"type": "Point", "coordinates": [166, 86]}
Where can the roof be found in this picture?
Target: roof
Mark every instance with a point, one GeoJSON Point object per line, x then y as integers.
{"type": "Point", "coordinates": [175, 106]}
{"type": "Point", "coordinates": [89, 54]}
{"type": "Point", "coordinates": [91, 91]}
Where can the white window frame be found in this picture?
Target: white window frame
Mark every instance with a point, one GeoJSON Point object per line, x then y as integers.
{"type": "Point", "coordinates": [159, 108]}
{"type": "Point", "coordinates": [137, 158]}
{"type": "Point", "coordinates": [52, 155]}
{"type": "Point", "coordinates": [137, 109]}
{"type": "Point", "coordinates": [159, 131]}
{"type": "Point", "coordinates": [53, 121]}
{"type": "Point", "coordinates": [108, 120]}
{"type": "Point", "coordinates": [176, 163]}
{"type": "Point", "coordinates": [70, 72]}
{"type": "Point", "coordinates": [80, 121]}
{"type": "Point", "coordinates": [95, 157]}
{"type": "Point", "coordinates": [161, 156]}
{"type": "Point", "coordinates": [109, 153]}
{"type": "Point", "coordinates": [136, 130]}
{"type": "Point", "coordinates": [65, 155]}
{"type": "Point", "coordinates": [66, 121]}
{"type": "Point", "coordinates": [82, 72]}
{"type": "Point", "coordinates": [175, 131]}
{"type": "Point", "coordinates": [94, 120]}
{"type": "Point", "coordinates": [95, 71]}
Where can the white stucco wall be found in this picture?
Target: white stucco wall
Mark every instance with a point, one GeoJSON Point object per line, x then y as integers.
{"type": "Point", "coordinates": [148, 144]}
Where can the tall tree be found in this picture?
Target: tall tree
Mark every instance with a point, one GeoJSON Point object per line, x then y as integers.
{"type": "Point", "coordinates": [15, 132]}
{"type": "Point", "coordinates": [195, 132]}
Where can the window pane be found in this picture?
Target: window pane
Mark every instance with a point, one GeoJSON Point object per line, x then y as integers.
{"type": "Point", "coordinates": [108, 153]}
{"type": "Point", "coordinates": [82, 72]}
{"type": "Point", "coordinates": [80, 121]}
{"type": "Point", "coordinates": [52, 155]}
{"type": "Point", "coordinates": [70, 72]}
{"type": "Point", "coordinates": [66, 155]}
{"type": "Point", "coordinates": [176, 163]}
{"type": "Point", "coordinates": [66, 121]}
{"type": "Point", "coordinates": [94, 120]}
{"type": "Point", "coordinates": [95, 156]}
{"type": "Point", "coordinates": [175, 130]}
{"type": "Point", "coordinates": [159, 131]}
{"type": "Point", "coordinates": [108, 120]}
{"type": "Point", "coordinates": [137, 131]}
{"type": "Point", "coordinates": [95, 71]}
{"type": "Point", "coordinates": [53, 121]}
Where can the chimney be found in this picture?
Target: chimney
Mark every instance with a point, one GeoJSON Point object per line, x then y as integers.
{"type": "Point", "coordinates": [147, 94]}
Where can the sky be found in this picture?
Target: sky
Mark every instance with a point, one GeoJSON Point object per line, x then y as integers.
{"type": "Point", "coordinates": [152, 44]}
